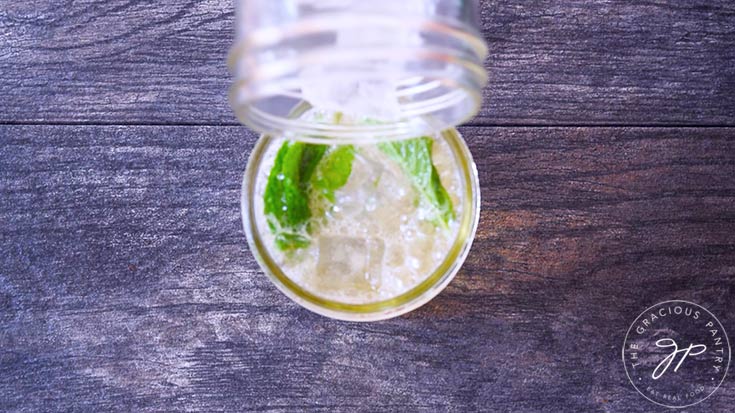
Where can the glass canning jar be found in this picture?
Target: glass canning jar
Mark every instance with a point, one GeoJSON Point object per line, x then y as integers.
{"type": "Point", "coordinates": [381, 83]}
{"type": "Point", "coordinates": [404, 62]}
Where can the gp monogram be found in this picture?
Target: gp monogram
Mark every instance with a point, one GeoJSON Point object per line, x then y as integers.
{"type": "Point", "coordinates": [676, 354]}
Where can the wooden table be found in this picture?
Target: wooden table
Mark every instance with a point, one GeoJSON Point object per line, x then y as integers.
{"type": "Point", "coordinates": [606, 153]}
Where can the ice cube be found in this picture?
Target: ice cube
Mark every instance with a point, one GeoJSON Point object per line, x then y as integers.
{"type": "Point", "coordinates": [351, 92]}
{"type": "Point", "coordinates": [396, 191]}
{"type": "Point", "coordinates": [348, 264]}
{"type": "Point", "coordinates": [360, 192]}
{"type": "Point", "coordinates": [365, 172]}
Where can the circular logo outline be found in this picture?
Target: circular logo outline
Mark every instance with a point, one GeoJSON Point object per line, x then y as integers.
{"type": "Point", "coordinates": [724, 333]}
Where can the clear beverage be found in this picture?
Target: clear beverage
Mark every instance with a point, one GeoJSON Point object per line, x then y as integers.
{"type": "Point", "coordinates": [378, 235]}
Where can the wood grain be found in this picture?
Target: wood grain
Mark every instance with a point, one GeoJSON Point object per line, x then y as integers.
{"type": "Point", "coordinates": [126, 284]}
{"type": "Point", "coordinates": [574, 62]}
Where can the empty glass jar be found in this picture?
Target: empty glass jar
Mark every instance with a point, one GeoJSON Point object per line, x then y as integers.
{"type": "Point", "coordinates": [415, 65]}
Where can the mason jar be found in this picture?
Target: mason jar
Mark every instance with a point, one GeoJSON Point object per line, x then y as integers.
{"type": "Point", "coordinates": [360, 199]}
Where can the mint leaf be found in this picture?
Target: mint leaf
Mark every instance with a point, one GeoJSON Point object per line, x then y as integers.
{"type": "Point", "coordinates": [302, 176]}
{"type": "Point", "coordinates": [333, 171]}
{"type": "Point", "coordinates": [286, 193]}
{"type": "Point", "coordinates": [287, 242]}
{"type": "Point", "coordinates": [414, 158]}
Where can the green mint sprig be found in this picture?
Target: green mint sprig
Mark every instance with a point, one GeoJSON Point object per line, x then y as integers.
{"type": "Point", "coordinates": [300, 169]}
{"type": "Point", "coordinates": [414, 158]}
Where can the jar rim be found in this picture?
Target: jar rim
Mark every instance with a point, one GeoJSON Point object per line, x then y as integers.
{"type": "Point", "coordinates": [355, 133]}
{"type": "Point", "coordinates": [383, 309]}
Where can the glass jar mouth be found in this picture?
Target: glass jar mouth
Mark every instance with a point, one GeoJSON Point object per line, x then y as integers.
{"type": "Point", "coordinates": [378, 310]}
{"type": "Point", "coordinates": [440, 76]}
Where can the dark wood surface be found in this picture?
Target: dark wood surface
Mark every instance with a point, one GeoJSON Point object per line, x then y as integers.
{"type": "Point", "coordinates": [125, 279]}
